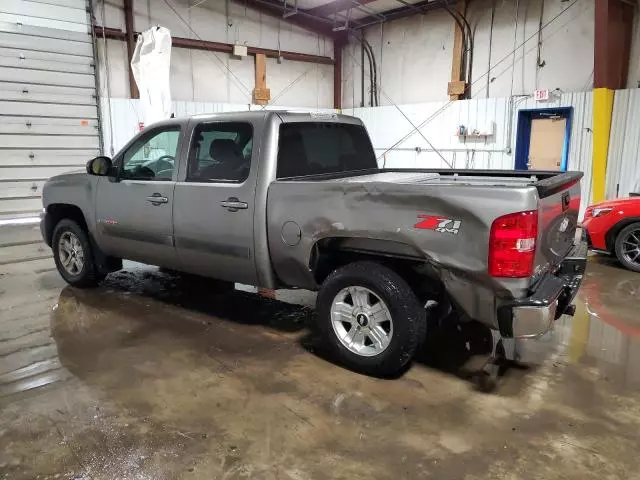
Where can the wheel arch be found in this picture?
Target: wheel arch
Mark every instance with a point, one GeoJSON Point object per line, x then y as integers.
{"type": "Point", "coordinates": [612, 234]}
{"type": "Point", "coordinates": [331, 253]}
{"type": "Point", "coordinates": [59, 211]}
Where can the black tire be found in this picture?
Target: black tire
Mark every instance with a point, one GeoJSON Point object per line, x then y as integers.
{"type": "Point", "coordinates": [407, 313]}
{"type": "Point", "coordinates": [89, 275]}
{"type": "Point", "coordinates": [629, 232]}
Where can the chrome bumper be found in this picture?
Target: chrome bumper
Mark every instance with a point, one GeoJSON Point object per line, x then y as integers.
{"type": "Point", "coordinates": [552, 297]}
{"type": "Point", "coordinates": [532, 322]}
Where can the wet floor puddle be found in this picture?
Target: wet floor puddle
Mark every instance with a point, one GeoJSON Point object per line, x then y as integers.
{"type": "Point", "coordinates": [603, 335]}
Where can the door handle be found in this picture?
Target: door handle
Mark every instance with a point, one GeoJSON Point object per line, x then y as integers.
{"type": "Point", "coordinates": [233, 204]}
{"type": "Point", "coordinates": [157, 199]}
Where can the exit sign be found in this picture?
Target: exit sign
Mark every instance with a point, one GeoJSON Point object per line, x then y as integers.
{"type": "Point", "coordinates": [542, 95]}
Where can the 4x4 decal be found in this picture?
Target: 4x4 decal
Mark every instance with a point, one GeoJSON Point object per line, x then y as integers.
{"type": "Point", "coordinates": [438, 224]}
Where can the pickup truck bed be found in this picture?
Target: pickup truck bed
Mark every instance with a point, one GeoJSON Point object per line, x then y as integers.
{"type": "Point", "coordinates": [381, 212]}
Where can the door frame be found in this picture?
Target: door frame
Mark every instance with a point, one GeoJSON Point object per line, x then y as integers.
{"type": "Point", "coordinates": [523, 137]}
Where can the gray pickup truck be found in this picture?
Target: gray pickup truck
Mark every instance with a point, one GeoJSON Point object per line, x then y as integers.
{"type": "Point", "coordinates": [291, 200]}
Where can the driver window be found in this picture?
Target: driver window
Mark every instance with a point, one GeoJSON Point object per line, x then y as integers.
{"type": "Point", "coordinates": [152, 156]}
{"type": "Point", "coordinates": [220, 152]}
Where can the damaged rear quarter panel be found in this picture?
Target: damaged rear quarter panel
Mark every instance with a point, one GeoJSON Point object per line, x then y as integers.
{"type": "Point", "coordinates": [390, 211]}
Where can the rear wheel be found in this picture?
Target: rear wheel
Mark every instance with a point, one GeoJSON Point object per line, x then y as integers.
{"type": "Point", "coordinates": [73, 255]}
{"type": "Point", "coordinates": [370, 319]}
{"type": "Point", "coordinates": [628, 247]}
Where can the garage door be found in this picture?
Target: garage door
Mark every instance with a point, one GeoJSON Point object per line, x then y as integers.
{"type": "Point", "coordinates": [48, 107]}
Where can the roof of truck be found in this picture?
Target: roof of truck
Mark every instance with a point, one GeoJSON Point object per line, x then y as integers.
{"type": "Point", "coordinates": [285, 116]}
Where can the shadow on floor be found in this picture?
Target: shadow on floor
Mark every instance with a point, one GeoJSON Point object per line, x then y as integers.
{"type": "Point", "coordinates": [450, 347]}
{"type": "Point", "coordinates": [202, 295]}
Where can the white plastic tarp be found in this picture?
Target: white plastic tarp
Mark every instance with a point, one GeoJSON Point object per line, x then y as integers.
{"type": "Point", "coordinates": [150, 65]}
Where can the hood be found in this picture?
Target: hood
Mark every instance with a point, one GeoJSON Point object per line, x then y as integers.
{"type": "Point", "coordinates": [72, 176]}
{"type": "Point", "coordinates": [617, 203]}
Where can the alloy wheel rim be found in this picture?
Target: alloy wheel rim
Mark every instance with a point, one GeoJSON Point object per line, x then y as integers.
{"type": "Point", "coordinates": [361, 321]}
{"type": "Point", "coordinates": [71, 253]}
{"type": "Point", "coordinates": [631, 247]}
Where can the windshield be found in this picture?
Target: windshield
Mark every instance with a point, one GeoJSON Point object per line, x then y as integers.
{"type": "Point", "coordinates": [311, 148]}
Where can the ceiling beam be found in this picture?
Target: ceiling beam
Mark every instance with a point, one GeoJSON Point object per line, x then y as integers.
{"type": "Point", "coordinates": [336, 6]}
{"type": "Point", "coordinates": [302, 19]}
{"type": "Point", "coordinates": [116, 34]}
{"type": "Point", "coordinates": [400, 12]}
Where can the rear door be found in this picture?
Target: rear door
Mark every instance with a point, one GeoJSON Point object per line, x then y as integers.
{"type": "Point", "coordinates": [135, 213]}
{"type": "Point", "coordinates": [547, 143]}
{"type": "Point", "coordinates": [214, 203]}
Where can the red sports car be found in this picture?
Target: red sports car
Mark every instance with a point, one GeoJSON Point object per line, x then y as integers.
{"type": "Point", "coordinates": [613, 227]}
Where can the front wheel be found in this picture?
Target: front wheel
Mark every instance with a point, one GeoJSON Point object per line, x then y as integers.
{"type": "Point", "coordinates": [370, 318]}
{"type": "Point", "coordinates": [73, 255]}
{"type": "Point", "coordinates": [628, 247]}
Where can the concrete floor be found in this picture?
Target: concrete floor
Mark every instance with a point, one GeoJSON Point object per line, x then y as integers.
{"type": "Point", "coordinates": [150, 378]}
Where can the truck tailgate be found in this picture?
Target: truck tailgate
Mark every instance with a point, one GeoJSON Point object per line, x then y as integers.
{"type": "Point", "coordinates": [558, 211]}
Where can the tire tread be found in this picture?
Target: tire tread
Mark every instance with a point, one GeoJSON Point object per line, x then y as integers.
{"type": "Point", "coordinates": [618, 247]}
{"type": "Point", "coordinates": [409, 317]}
{"type": "Point", "coordinates": [91, 275]}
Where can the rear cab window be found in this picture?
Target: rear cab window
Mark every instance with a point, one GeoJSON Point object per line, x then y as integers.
{"type": "Point", "coordinates": [316, 148]}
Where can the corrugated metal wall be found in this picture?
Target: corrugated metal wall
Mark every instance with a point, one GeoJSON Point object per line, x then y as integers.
{"type": "Point", "coordinates": [623, 163]}
{"type": "Point", "coordinates": [49, 115]}
{"type": "Point", "coordinates": [127, 115]}
{"type": "Point", "coordinates": [389, 125]}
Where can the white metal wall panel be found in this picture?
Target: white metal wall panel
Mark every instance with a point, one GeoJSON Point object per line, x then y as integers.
{"type": "Point", "coordinates": [12, 57]}
{"type": "Point", "coordinates": [64, 3]}
{"type": "Point", "coordinates": [128, 114]}
{"type": "Point", "coordinates": [10, 38]}
{"type": "Point", "coordinates": [40, 14]}
{"type": "Point", "coordinates": [388, 126]}
{"type": "Point", "coordinates": [34, 160]}
{"type": "Point", "coordinates": [48, 108]}
{"type": "Point", "coordinates": [623, 165]}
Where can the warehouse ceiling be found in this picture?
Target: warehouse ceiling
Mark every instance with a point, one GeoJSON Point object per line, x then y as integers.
{"type": "Point", "coordinates": [331, 17]}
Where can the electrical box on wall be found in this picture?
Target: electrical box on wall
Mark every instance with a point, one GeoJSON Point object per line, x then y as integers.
{"type": "Point", "coordinates": [240, 50]}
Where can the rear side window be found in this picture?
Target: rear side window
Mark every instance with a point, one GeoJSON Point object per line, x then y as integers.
{"type": "Point", "coordinates": [310, 148]}
{"type": "Point", "coordinates": [220, 152]}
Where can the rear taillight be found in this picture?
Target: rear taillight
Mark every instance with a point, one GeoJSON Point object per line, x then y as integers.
{"type": "Point", "coordinates": [512, 245]}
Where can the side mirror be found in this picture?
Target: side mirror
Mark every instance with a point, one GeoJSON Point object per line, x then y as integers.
{"type": "Point", "coordinates": [100, 166]}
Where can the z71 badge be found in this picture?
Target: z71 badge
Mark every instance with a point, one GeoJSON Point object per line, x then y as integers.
{"type": "Point", "coordinates": [438, 224]}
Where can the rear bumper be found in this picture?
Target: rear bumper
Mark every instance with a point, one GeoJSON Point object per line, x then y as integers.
{"type": "Point", "coordinates": [533, 316]}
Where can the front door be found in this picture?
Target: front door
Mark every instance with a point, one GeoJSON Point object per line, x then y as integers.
{"type": "Point", "coordinates": [214, 205]}
{"type": "Point", "coordinates": [134, 214]}
{"type": "Point", "coordinates": [547, 143]}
